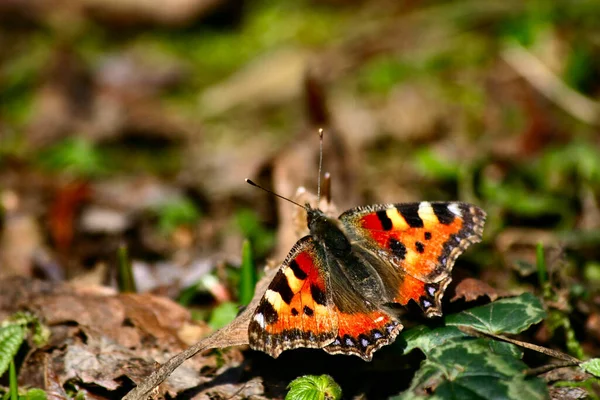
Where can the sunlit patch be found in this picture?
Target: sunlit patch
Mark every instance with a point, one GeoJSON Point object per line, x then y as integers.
{"type": "Point", "coordinates": [274, 298]}
{"type": "Point", "coordinates": [397, 220]}
{"type": "Point", "coordinates": [427, 215]}
{"type": "Point", "coordinates": [260, 320]}
{"type": "Point", "coordinates": [294, 283]}
{"type": "Point", "coordinates": [455, 209]}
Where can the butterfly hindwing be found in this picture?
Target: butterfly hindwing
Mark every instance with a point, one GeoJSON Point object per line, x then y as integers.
{"type": "Point", "coordinates": [362, 334]}
{"type": "Point", "coordinates": [297, 309]}
{"type": "Point", "coordinates": [419, 241]}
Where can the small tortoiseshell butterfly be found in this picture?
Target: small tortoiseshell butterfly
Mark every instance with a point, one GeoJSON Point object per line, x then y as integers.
{"type": "Point", "coordinates": [337, 288]}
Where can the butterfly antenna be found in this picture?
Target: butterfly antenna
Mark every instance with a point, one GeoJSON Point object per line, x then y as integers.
{"type": "Point", "coordinates": [320, 165]}
{"type": "Point", "coordinates": [273, 193]}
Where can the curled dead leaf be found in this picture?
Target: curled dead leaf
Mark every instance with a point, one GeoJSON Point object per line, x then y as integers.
{"type": "Point", "coordinates": [472, 289]}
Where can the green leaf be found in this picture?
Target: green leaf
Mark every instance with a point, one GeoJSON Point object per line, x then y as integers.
{"type": "Point", "coordinates": [251, 227]}
{"type": "Point", "coordinates": [511, 315]}
{"type": "Point", "coordinates": [312, 387]}
{"type": "Point", "coordinates": [473, 369]}
{"type": "Point", "coordinates": [35, 394]}
{"type": "Point", "coordinates": [435, 166]}
{"type": "Point", "coordinates": [175, 213]}
{"type": "Point", "coordinates": [592, 367]}
{"type": "Point", "coordinates": [425, 338]}
{"type": "Point", "coordinates": [223, 314]}
{"type": "Point", "coordinates": [74, 155]}
{"type": "Point", "coordinates": [11, 337]}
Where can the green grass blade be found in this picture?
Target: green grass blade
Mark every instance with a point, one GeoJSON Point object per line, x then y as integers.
{"type": "Point", "coordinates": [125, 278]}
{"type": "Point", "coordinates": [248, 274]}
{"type": "Point", "coordinates": [14, 385]}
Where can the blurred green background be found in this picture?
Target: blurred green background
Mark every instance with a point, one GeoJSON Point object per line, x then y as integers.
{"type": "Point", "coordinates": [136, 122]}
{"type": "Point", "coordinates": [128, 126]}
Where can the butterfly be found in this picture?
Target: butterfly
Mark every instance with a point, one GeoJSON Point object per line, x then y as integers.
{"type": "Point", "coordinates": [338, 286]}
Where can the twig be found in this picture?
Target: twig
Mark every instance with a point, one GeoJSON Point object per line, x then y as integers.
{"type": "Point", "coordinates": [546, 368]}
{"type": "Point", "coordinates": [159, 375]}
{"type": "Point", "coordinates": [234, 334]}
{"type": "Point", "coordinates": [547, 83]}
{"type": "Point", "coordinates": [544, 350]}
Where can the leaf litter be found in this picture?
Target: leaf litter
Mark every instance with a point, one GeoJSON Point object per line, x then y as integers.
{"type": "Point", "coordinates": [146, 111]}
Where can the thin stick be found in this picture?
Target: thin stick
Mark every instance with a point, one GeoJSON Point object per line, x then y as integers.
{"type": "Point", "coordinates": [544, 350]}
{"type": "Point", "coordinates": [159, 375]}
{"type": "Point", "coordinates": [547, 83]}
{"type": "Point", "coordinates": [546, 368]}
{"type": "Point", "coordinates": [320, 165]}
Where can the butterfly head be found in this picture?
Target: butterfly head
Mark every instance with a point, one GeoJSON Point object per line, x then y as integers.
{"type": "Point", "coordinates": [327, 231]}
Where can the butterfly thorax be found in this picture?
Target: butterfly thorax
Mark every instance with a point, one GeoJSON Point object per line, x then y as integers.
{"type": "Point", "coordinates": [346, 267]}
{"type": "Point", "coordinates": [327, 232]}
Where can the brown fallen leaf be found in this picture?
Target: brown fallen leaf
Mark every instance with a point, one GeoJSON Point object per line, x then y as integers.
{"type": "Point", "coordinates": [471, 289]}
{"type": "Point", "coordinates": [234, 334]}
{"type": "Point", "coordinates": [61, 219]}
{"type": "Point", "coordinates": [102, 341]}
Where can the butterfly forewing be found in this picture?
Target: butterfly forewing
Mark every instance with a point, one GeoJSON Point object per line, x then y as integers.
{"type": "Point", "coordinates": [419, 241]}
{"type": "Point", "coordinates": [295, 311]}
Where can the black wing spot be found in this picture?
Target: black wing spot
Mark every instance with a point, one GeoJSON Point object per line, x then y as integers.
{"type": "Point", "coordinates": [298, 272]}
{"type": "Point", "coordinates": [410, 212]}
{"type": "Point", "coordinates": [386, 222]}
{"type": "Point", "coordinates": [427, 235]}
{"type": "Point", "coordinates": [398, 248]}
{"type": "Point", "coordinates": [443, 214]}
{"type": "Point", "coordinates": [294, 312]}
{"type": "Point", "coordinates": [280, 285]}
{"type": "Point", "coordinates": [420, 247]}
{"type": "Point", "coordinates": [269, 312]}
{"type": "Point", "coordinates": [308, 311]}
{"type": "Point", "coordinates": [318, 295]}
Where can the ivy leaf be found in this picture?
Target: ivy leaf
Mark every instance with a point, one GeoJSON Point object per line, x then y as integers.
{"type": "Point", "coordinates": [474, 369]}
{"type": "Point", "coordinates": [425, 338]}
{"type": "Point", "coordinates": [592, 367]}
{"type": "Point", "coordinates": [11, 337]}
{"type": "Point", "coordinates": [512, 315]}
{"type": "Point", "coordinates": [312, 387]}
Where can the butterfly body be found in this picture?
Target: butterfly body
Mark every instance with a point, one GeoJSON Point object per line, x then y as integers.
{"type": "Point", "coordinates": [338, 286]}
